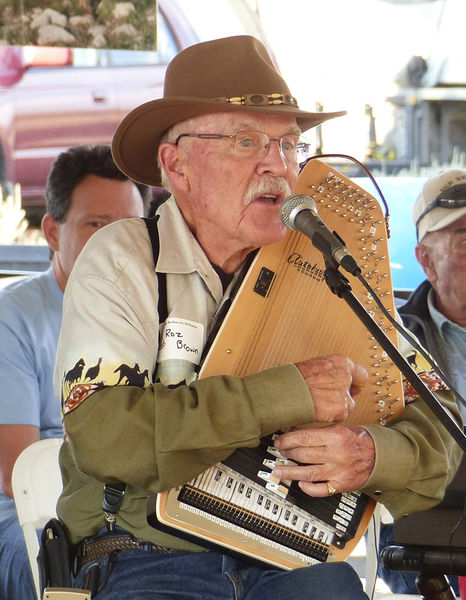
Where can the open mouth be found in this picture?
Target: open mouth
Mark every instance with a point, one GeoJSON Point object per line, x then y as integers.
{"type": "Point", "coordinates": [271, 199]}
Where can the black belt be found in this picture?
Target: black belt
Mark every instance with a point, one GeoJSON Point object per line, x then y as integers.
{"type": "Point", "coordinates": [90, 550]}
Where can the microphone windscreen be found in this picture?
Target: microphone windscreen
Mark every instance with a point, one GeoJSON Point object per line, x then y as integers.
{"type": "Point", "coordinates": [293, 205]}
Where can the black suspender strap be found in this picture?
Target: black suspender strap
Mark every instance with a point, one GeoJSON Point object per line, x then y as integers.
{"type": "Point", "coordinates": [114, 492]}
{"type": "Point", "coordinates": [151, 224]}
{"type": "Point", "coordinates": [113, 497]}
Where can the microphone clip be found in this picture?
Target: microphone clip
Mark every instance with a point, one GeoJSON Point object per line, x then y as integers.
{"type": "Point", "coordinates": [334, 278]}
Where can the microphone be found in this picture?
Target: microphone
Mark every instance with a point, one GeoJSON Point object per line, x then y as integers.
{"type": "Point", "coordinates": [434, 560]}
{"type": "Point", "coordinates": [299, 212]}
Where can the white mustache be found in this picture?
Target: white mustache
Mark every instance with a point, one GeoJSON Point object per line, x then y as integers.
{"type": "Point", "coordinates": [267, 185]}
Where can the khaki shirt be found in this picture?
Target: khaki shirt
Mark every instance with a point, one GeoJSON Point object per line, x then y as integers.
{"type": "Point", "coordinates": [120, 426]}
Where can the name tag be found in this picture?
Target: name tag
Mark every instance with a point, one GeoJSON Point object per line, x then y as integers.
{"type": "Point", "coordinates": [181, 339]}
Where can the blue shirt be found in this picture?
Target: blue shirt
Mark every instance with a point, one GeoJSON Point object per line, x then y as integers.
{"type": "Point", "coordinates": [30, 322]}
{"type": "Point", "coordinates": [451, 344]}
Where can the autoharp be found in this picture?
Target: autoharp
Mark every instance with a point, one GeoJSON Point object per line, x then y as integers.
{"type": "Point", "coordinates": [284, 312]}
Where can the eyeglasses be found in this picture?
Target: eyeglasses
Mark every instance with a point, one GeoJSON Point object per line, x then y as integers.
{"type": "Point", "coordinates": [256, 143]}
{"type": "Point", "coordinates": [452, 197]}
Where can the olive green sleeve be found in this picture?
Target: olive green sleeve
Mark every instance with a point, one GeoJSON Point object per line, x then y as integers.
{"type": "Point", "coordinates": [416, 458]}
{"type": "Point", "coordinates": [156, 438]}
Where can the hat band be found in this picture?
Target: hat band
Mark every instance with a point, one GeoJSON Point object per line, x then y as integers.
{"type": "Point", "coordinates": [261, 99]}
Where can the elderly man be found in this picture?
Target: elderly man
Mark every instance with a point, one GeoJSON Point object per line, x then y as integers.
{"type": "Point", "coordinates": [226, 135]}
{"type": "Point", "coordinates": [436, 311]}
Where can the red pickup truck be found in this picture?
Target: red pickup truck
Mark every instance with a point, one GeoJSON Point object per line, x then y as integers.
{"type": "Point", "coordinates": [52, 98]}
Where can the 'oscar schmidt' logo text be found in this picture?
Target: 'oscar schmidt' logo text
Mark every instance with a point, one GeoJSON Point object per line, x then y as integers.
{"type": "Point", "coordinates": [305, 267]}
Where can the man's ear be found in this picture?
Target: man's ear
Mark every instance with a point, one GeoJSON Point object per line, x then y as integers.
{"type": "Point", "coordinates": [51, 230]}
{"type": "Point", "coordinates": [175, 168]}
{"type": "Point", "coordinates": [424, 257]}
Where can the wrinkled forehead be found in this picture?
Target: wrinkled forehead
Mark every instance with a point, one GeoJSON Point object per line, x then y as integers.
{"type": "Point", "coordinates": [236, 121]}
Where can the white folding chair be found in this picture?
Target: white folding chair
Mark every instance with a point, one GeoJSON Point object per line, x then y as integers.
{"type": "Point", "coordinates": [36, 482]}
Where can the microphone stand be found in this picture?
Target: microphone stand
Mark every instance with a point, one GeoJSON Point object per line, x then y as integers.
{"type": "Point", "coordinates": [341, 287]}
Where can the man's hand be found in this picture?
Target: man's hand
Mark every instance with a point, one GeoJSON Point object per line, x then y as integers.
{"type": "Point", "coordinates": [336, 458]}
{"type": "Point", "coordinates": [332, 381]}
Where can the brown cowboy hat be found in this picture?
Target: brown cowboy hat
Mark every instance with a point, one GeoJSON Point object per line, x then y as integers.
{"type": "Point", "coordinates": [228, 74]}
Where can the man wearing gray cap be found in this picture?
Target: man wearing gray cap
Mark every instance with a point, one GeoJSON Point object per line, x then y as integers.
{"type": "Point", "coordinates": [436, 311]}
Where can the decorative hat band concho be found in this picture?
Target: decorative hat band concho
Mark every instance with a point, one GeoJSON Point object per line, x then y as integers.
{"type": "Point", "coordinates": [261, 99]}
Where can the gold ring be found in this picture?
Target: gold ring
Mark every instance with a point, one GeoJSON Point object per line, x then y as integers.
{"type": "Point", "coordinates": [331, 489]}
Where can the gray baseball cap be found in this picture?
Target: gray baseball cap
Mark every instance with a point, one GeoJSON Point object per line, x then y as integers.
{"type": "Point", "coordinates": [441, 202]}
